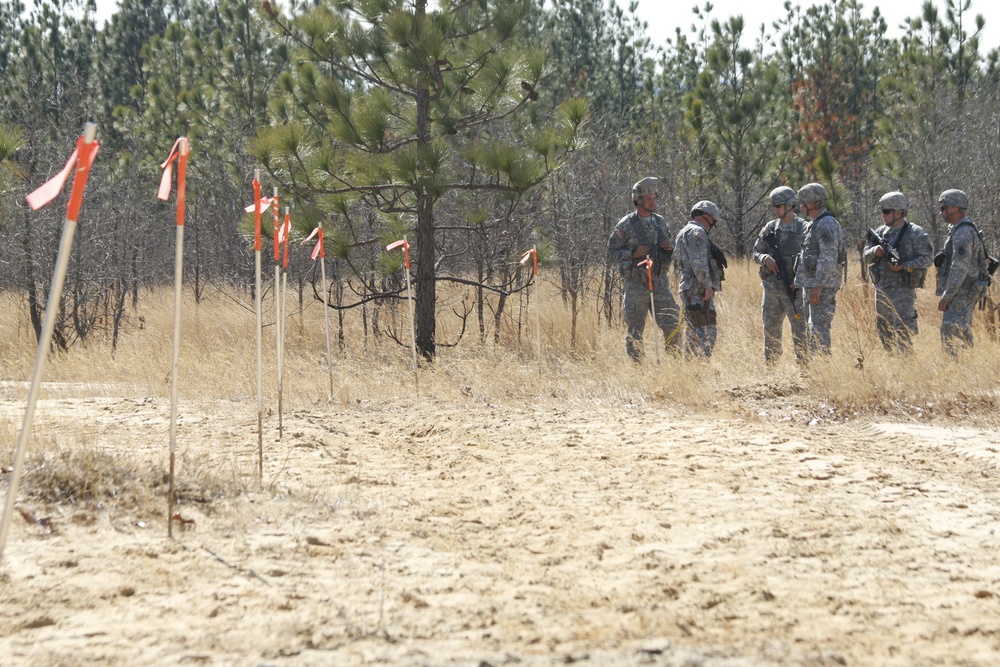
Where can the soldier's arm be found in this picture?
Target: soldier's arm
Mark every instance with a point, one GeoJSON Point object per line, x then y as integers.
{"type": "Point", "coordinates": [829, 249]}
{"type": "Point", "coordinates": [961, 262]}
{"type": "Point", "coordinates": [923, 253]}
{"type": "Point", "coordinates": [761, 248]}
{"type": "Point", "coordinates": [619, 249]}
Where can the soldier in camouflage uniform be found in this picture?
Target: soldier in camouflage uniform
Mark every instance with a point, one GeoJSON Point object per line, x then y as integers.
{"type": "Point", "coordinates": [896, 282]}
{"type": "Point", "coordinates": [775, 250]}
{"type": "Point", "coordinates": [962, 271]}
{"type": "Point", "coordinates": [701, 278]}
{"type": "Point", "coordinates": [636, 236]}
{"type": "Point", "coordinates": [819, 265]}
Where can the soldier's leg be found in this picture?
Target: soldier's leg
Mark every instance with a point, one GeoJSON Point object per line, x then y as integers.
{"type": "Point", "coordinates": [711, 331]}
{"type": "Point", "coordinates": [772, 312]}
{"type": "Point", "coordinates": [635, 305]}
{"type": "Point", "coordinates": [905, 301]}
{"type": "Point", "coordinates": [667, 316]}
{"type": "Point", "coordinates": [820, 320]}
{"type": "Point", "coordinates": [886, 320]}
{"type": "Point", "coordinates": [956, 325]}
{"type": "Point", "coordinates": [800, 328]}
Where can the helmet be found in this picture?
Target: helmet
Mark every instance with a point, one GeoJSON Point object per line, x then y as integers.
{"type": "Point", "coordinates": [895, 201]}
{"type": "Point", "coordinates": [705, 206]}
{"type": "Point", "coordinates": [646, 186]}
{"type": "Point", "coordinates": [812, 192]}
{"type": "Point", "coordinates": [783, 196]}
{"type": "Point", "coordinates": [954, 198]}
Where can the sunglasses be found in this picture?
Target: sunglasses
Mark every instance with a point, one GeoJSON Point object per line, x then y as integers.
{"type": "Point", "coordinates": [887, 211]}
{"type": "Point", "coordinates": [943, 208]}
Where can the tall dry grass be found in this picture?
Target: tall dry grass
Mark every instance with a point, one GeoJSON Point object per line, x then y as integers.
{"type": "Point", "coordinates": [218, 358]}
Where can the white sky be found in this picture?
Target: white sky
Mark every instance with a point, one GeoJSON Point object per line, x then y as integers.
{"type": "Point", "coordinates": [665, 16]}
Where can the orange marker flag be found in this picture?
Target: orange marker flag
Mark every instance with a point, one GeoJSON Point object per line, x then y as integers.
{"type": "Point", "coordinates": [178, 152]}
{"type": "Point", "coordinates": [277, 225]}
{"type": "Point", "coordinates": [406, 249]}
{"type": "Point", "coordinates": [265, 202]}
{"type": "Point", "coordinates": [318, 249]}
{"type": "Point", "coordinates": [533, 253]}
{"type": "Point", "coordinates": [256, 208]}
{"type": "Point", "coordinates": [648, 263]}
{"type": "Point", "coordinates": [286, 237]}
{"type": "Point", "coordinates": [83, 157]}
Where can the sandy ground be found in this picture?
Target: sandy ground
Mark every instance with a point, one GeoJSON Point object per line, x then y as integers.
{"type": "Point", "coordinates": [487, 535]}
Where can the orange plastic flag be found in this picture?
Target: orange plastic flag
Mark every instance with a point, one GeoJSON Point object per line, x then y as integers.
{"type": "Point", "coordinates": [49, 190]}
{"type": "Point", "coordinates": [648, 263]}
{"type": "Point", "coordinates": [168, 170]}
{"type": "Point", "coordinates": [318, 249]}
{"type": "Point", "coordinates": [265, 202]}
{"type": "Point", "coordinates": [533, 253]}
{"type": "Point", "coordinates": [406, 250]}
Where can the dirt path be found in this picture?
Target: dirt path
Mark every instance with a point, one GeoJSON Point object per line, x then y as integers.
{"type": "Point", "coordinates": [485, 535]}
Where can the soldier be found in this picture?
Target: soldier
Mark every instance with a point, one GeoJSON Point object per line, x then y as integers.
{"type": "Point", "coordinates": [899, 253]}
{"type": "Point", "coordinates": [962, 271]}
{"type": "Point", "coordinates": [775, 250]}
{"type": "Point", "coordinates": [819, 264]}
{"type": "Point", "coordinates": [701, 265]}
{"type": "Point", "coordinates": [637, 236]}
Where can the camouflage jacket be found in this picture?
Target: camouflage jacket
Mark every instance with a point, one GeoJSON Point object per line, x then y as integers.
{"type": "Point", "coordinates": [631, 232]}
{"type": "Point", "coordinates": [915, 251]}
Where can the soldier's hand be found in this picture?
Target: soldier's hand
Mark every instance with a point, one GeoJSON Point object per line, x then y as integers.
{"type": "Point", "coordinates": [771, 265]}
{"type": "Point", "coordinates": [640, 252]}
{"type": "Point", "coordinates": [709, 293]}
{"type": "Point", "coordinates": [879, 251]}
{"type": "Point", "coordinates": [814, 295]}
{"type": "Point", "coordinates": [667, 245]}
{"type": "Point", "coordinates": [943, 304]}
{"type": "Point", "coordinates": [896, 267]}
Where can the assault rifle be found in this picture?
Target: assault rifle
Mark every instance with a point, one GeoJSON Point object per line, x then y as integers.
{"type": "Point", "coordinates": [771, 239]}
{"type": "Point", "coordinates": [890, 252]}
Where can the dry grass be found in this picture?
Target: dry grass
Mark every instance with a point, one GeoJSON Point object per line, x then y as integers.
{"type": "Point", "coordinates": [218, 364]}
{"type": "Point", "coordinates": [218, 358]}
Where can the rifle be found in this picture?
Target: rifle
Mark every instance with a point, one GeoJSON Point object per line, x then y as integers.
{"type": "Point", "coordinates": [890, 252]}
{"type": "Point", "coordinates": [771, 238]}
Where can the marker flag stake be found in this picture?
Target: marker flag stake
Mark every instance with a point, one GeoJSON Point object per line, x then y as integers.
{"type": "Point", "coordinates": [409, 297]}
{"type": "Point", "coordinates": [648, 263]}
{"type": "Point", "coordinates": [179, 152]}
{"type": "Point", "coordinates": [319, 251]}
{"type": "Point", "coordinates": [83, 158]}
{"type": "Point", "coordinates": [283, 237]}
{"type": "Point", "coordinates": [277, 300]}
{"type": "Point", "coordinates": [533, 253]}
{"type": "Point", "coordinates": [258, 202]}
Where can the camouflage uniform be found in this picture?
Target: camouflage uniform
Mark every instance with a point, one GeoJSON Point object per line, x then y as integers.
{"type": "Point", "coordinates": [819, 266]}
{"type": "Point", "coordinates": [776, 304]}
{"type": "Point", "coordinates": [961, 279]}
{"type": "Point", "coordinates": [895, 291]}
{"type": "Point", "coordinates": [699, 270]}
{"type": "Point", "coordinates": [631, 232]}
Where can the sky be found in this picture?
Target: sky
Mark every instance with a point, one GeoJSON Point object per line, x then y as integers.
{"type": "Point", "coordinates": [665, 16]}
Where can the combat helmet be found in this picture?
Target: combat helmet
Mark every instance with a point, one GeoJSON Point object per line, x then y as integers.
{"type": "Point", "coordinates": [646, 186]}
{"type": "Point", "coordinates": [813, 192]}
{"type": "Point", "coordinates": [895, 201]}
{"type": "Point", "coordinates": [954, 198]}
{"type": "Point", "coordinates": [783, 196]}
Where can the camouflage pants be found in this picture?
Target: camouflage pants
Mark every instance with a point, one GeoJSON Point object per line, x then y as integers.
{"type": "Point", "coordinates": [820, 319]}
{"type": "Point", "coordinates": [635, 306]}
{"type": "Point", "coordinates": [896, 317]}
{"type": "Point", "coordinates": [701, 331]}
{"type": "Point", "coordinates": [774, 309]}
{"type": "Point", "coordinates": [956, 323]}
